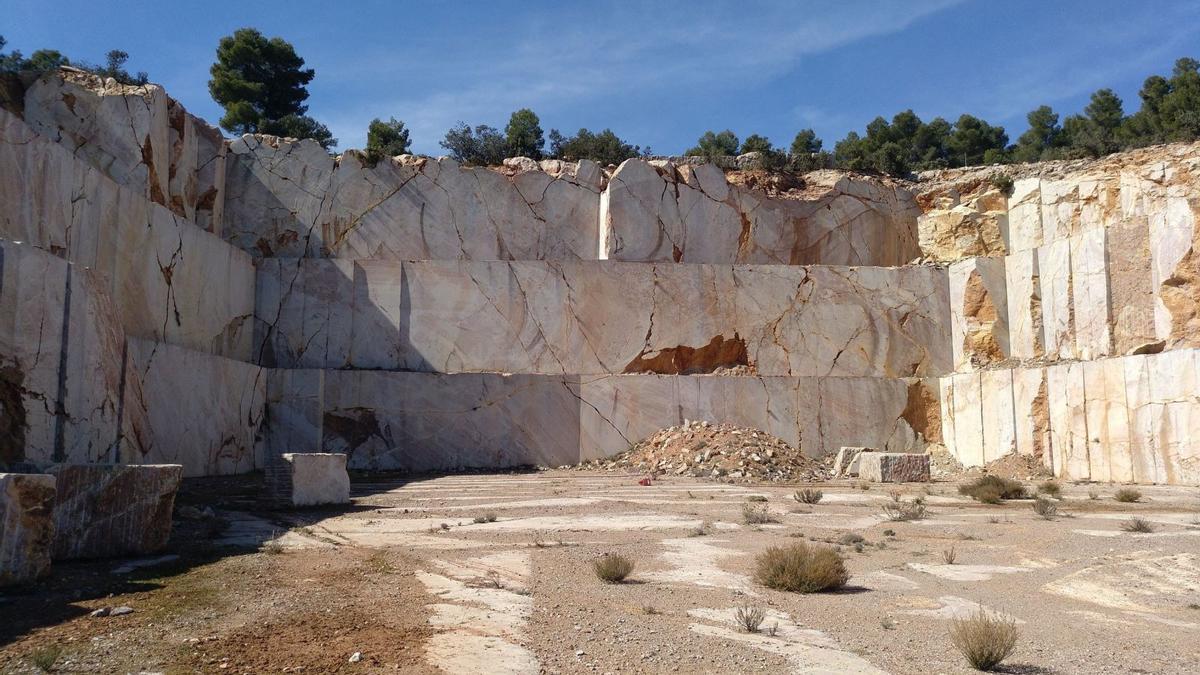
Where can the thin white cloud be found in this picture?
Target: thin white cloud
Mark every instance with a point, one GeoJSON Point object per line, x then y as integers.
{"type": "Point", "coordinates": [619, 50]}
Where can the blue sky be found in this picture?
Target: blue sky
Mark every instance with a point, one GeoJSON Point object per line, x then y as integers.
{"type": "Point", "coordinates": [657, 73]}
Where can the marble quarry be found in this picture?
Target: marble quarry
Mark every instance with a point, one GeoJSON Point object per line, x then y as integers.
{"type": "Point", "coordinates": [169, 296]}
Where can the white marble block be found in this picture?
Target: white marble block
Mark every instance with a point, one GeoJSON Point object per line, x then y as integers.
{"type": "Point", "coordinates": [309, 479]}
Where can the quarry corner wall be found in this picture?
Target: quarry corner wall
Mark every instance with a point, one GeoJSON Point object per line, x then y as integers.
{"type": "Point", "coordinates": [170, 296]}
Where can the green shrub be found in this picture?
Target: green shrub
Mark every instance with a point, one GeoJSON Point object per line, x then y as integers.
{"type": "Point", "coordinates": [800, 568]}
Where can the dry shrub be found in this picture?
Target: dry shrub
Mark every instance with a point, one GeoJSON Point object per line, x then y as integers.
{"type": "Point", "coordinates": [756, 498]}
{"type": "Point", "coordinates": [1127, 495]}
{"type": "Point", "coordinates": [851, 538]}
{"type": "Point", "coordinates": [612, 568]}
{"type": "Point", "coordinates": [984, 639]}
{"type": "Point", "coordinates": [45, 657]}
{"type": "Point", "coordinates": [800, 568]}
{"type": "Point", "coordinates": [1051, 489]}
{"type": "Point", "coordinates": [749, 618]}
{"type": "Point", "coordinates": [1045, 508]}
{"type": "Point", "coordinates": [949, 556]}
{"type": "Point", "coordinates": [485, 518]}
{"type": "Point", "coordinates": [992, 489]}
{"type": "Point", "coordinates": [1139, 525]}
{"type": "Point", "coordinates": [808, 496]}
{"type": "Point", "coordinates": [757, 515]}
{"type": "Point", "coordinates": [914, 510]}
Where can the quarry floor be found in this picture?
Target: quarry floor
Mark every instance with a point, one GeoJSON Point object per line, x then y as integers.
{"type": "Point", "coordinates": [407, 579]}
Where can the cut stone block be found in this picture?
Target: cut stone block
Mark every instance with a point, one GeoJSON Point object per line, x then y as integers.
{"type": "Point", "coordinates": [110, 510]}
{"type": "Point", "coordinates": [309, 479]}
{"type": "Point", "coordinates": [894, 467]}
{"type": "Point", "coordinates": [847, 461]}
{"type": "Point", "coordinates": [26, 527]}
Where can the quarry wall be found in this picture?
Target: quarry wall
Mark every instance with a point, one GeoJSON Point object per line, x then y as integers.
{"type": "Point", "coordinates": [170, 296]}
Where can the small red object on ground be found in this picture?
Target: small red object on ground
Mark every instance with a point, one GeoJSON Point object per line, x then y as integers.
{"type": "Point", "coordinates": [644, 481]}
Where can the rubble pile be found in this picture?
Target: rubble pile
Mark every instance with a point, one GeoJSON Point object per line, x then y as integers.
{"type": "Point", "coordinates": [720, 451]}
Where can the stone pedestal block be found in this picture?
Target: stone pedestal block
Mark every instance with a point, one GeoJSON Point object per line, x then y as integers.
{"type": "Point", "coordinates": [894, 467]}
{"type": "Point", "coordinates": [26, 526]}
{"type": "Point", "coordinates": [309, 479]}
{"type": "Point", "coordinates": [109, 510]}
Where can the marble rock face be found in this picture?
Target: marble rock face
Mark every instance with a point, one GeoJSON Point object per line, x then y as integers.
{"type": "Point", "coordinates": [309, 479]}
{"type": "Point", "coordinates": [693, 214]}
{"type": "Point", "coordinates": [26, 527]}
{"type": "Point", "coordinates": [893, 467]}
{"type": "Point", "coordinates": [137, 136]}
{"type": "Point", "coordinates": [110, 510]}
{"type": "Point", "coordinates": [190, 408]}
{"type": "Point", "coordinates": [60, 360]}
{"type": "Point", "coordinates": [291, 199]}
{"type": "Point", "coordinates": [430, 421]}
{"type": "Point", "coordinates": [602, 318]}
{"type": "Point", "coordinates": [956, 228]}
{"type": "Point", "coordinates": [166, 278]}
{"type": "Point", "coordinates": [423, 422]}
{"type": "Point", "coordinates": [979, 313]}
{"type": "Point", "coordinates": [1130, 418]}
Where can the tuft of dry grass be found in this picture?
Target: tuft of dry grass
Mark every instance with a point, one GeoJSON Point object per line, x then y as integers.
{"type": "Point", "coordinates": [800, 568]}
{"type": "Point", "coordinates": [808, 496]}
{"type": "Point", "coordinates": [485, 518]}
{"type": "Point", "coordinates": [949, 555]}
{"type": "Point", "coordinates": [984, 639]}
{"type": "Point", "coordinates": [701, 530]}
{"type": "Point", "coordinates": [1127, 495]}
{"type": "Point", "coordinates": [1045, 508]}
{"type": "Point", "coordinates": [612, 568]}
{"type": "Point", "coordinates": [992, 489]}
{"type": "Point", "coordinates": [379, 563]}
{"type": "Point", "coordinates": [651, 610]}
{"type": "Point", "coordinates": [44, 658]}
{"type": "Point", "coordinates": [748, 618]}
{"type": "Point", "coordinates": [914, 510]}
{"type": "Point", "coordinates": [1051, 489]}
{"type": "Point", "coordinates": [757, 514]}
{"type": "Point", "coordinates": [1139, 525]}
{"type": "Point", "coordinates": [757, 498]}
{"type": "Point", "coordinates": [1092, 494]}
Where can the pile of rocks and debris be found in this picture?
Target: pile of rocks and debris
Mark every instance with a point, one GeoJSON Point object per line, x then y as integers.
{"type": "Point", "coordinates": [720, 451]}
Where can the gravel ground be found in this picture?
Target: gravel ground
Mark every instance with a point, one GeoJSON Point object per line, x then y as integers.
{"type": "Point", "coordinates": [409, 580]}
